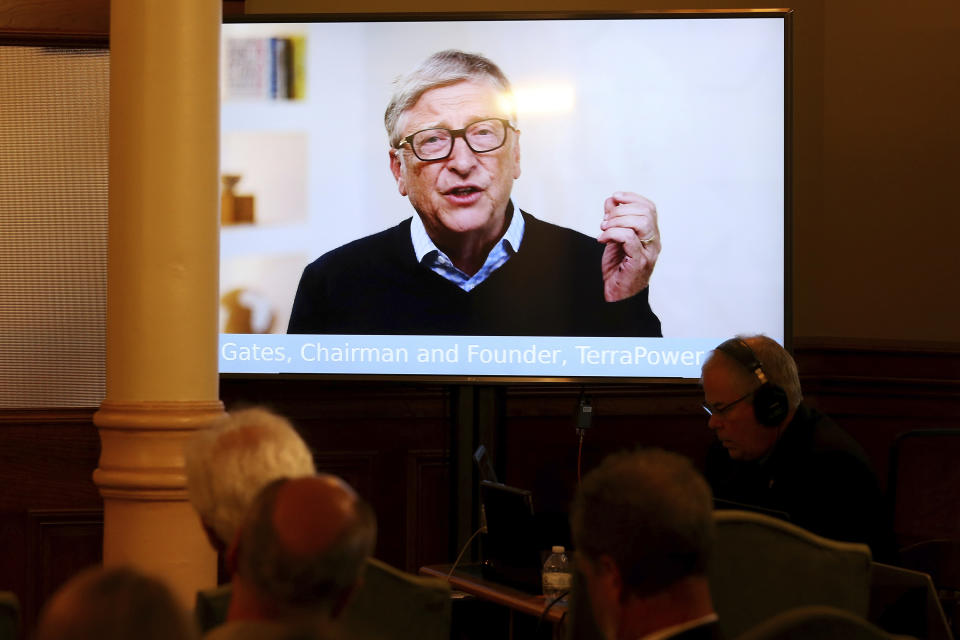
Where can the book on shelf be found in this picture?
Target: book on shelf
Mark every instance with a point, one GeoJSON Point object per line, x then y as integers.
{"type": "Point", "coordinates": [298, 67]}
{"type": "Point", "coordinates": [265, 68]}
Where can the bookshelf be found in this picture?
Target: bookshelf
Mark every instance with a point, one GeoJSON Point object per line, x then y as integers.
{"type": "Point", "coordinates": [265, 140]}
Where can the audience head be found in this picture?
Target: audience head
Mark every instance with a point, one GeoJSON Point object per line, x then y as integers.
{"type": "Point", "coordinates": [729, 392]}
{"type": "Point", "coordinates": [643, 527]}
{"type": "Point", "coordinates": [230, 462]}
{"type": "Point", "coordinates": [114, 604]}
{"type": "Point", "coordinates": [303, 547]}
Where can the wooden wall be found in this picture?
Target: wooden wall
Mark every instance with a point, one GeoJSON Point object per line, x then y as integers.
{"type": "Point", "coordinates": [51, 522]}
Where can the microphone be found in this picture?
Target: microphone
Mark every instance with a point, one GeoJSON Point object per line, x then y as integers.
{"type": "Point", "coordinates": [584, 414]}
{"type": "Point", "coordinates": [584, 420]}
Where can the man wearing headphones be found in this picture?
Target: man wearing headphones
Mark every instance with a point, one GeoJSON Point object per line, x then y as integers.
{"type": "Point", "coordinates": [776, 454]}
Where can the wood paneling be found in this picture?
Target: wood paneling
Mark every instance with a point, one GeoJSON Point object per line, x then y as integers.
{"type": "Point", "coordinates": [428, 506]}
{"type": "Point", "coordinates": [67, 22]}
{"type": "Point", "coordinates": [50, 522]}
{"type": "Point", "coordinates": [61, 22]}
{"type": "Point", "coordinates": [541, 446]}
{"type": "Point", "coordinates": [48, 458]}
{"type": "Point", "coordinates": [355, 467]}
{"type": "Point", "coordinates": [233, 8]}
{"type": "Point", "coordinates": [60, 544]}
{"type": "Point", "coordinates": [877, 391]}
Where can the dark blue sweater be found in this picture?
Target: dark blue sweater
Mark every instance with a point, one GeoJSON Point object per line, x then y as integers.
{"type": "Point", "coordinates": [552, 286]}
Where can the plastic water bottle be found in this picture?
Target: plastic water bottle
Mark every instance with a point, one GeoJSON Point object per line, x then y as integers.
{"type": "Point", "coordinates": [556, 574]}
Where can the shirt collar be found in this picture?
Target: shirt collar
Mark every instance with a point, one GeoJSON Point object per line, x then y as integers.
{"type": "Point", "coordinates": [423, 245]}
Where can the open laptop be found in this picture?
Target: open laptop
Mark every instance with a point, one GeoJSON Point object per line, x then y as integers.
{"type": "Point", "coordinates": [510, 550]}
{"type": "Point", "coordinates": [484, 464]}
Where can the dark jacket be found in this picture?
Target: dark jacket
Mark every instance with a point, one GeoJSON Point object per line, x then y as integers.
{"type": "Point", "coordinates": [818, 475]}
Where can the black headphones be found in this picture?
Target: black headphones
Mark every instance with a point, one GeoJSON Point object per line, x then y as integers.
{"type": "Point", "coordinates": [770, 404]}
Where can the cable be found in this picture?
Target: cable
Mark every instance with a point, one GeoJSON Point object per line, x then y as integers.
{"type": "Point", "coordinates": [466, 546]}
{"type": "Point", "coordinates": [579, 454]}
{"type": "Point", "coordinates": [546, 609]}
{"type": "Point", "coordinates": [584, 421]}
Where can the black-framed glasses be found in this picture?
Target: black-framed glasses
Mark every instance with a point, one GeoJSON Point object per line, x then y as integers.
{"type": "Point", "coordinates": [437, 143]}
{"type": "Point", "coordinates": [720, 409]}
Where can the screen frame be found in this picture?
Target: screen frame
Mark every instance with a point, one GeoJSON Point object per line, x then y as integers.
{"type": "Point", "coordinates": [253, 16]}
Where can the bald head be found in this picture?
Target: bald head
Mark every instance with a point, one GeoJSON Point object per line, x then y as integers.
{"type": "Point", "coordinates": [311, 514]}
{"type": "Point", "coordinates": [304, 544]}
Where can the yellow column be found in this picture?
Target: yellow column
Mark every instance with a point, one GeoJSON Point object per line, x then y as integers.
{"type": "Point", "coordinates": [162, 284]}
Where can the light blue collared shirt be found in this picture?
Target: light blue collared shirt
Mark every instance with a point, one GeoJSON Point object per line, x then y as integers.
{"type": "Point", "coordinates": [429, 255]}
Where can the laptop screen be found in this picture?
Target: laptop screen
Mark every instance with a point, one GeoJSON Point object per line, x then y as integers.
{"type": "Point", "coordinates": [510, 549]}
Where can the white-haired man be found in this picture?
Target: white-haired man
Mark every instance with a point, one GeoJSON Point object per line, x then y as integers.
{"type": "Point", "coordinates": [228, 464]}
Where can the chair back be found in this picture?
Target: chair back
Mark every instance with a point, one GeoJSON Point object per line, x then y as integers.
{"type": "Point", "coordinates": [210, 608]}
{"type": "Point", "coordinates": [9, 615]}
{"type": "Point", "coordinates": [389, 605]}
{"type": "Point", "coordinates": [762, 566]}
{"type": "Point", "coordinates": [923, 483]}
{"type": "Point", "coordinates": [816, 621]}
{"type": "Point", "coordinates": [395, 605]}
{"type": "Point", "coordinates": [905, 602]}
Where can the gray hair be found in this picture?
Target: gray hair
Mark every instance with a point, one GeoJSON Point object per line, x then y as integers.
{"type": "Point", "coordinates": [303, 584]}
{"type": "Point", "coordinates": [439, 70]}
{"type": "Point", "coordinates": [778, 365]}
{"type": "Point", "coordinates": [234, 459]}
{"type": "Point", "coordinates": [651, 512]}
